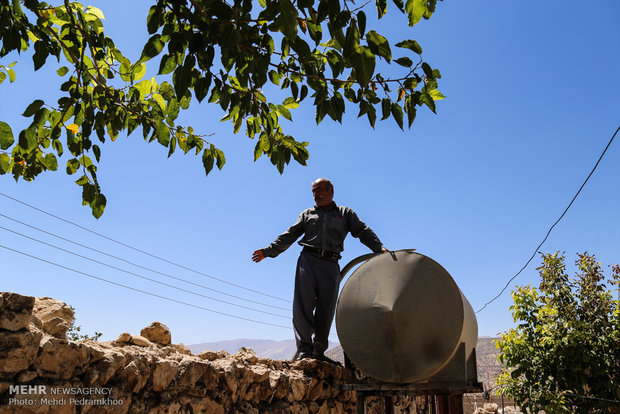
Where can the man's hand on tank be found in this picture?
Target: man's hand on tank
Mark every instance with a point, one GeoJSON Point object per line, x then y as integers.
{"type": "Point", "coordinates": [258, 255]}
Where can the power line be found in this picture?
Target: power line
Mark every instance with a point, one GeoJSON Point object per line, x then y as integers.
{"type": "Point", "coordinates": [142, 251]}
{"type": "Point", "coordinates": [139, 266]}
{"type": "Point", "coordinates": [554, 224]}
{"type": "Point", "coordinates": [141, 291]}
{"type": "Point", "coordinates": [140, 276]}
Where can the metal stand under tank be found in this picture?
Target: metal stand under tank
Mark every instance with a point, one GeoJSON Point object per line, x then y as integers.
{"type": "Point", "coordinates": [407, 329]}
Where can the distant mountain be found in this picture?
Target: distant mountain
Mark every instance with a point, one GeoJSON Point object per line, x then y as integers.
{"type": "Point", "coordinates": [264, 348]}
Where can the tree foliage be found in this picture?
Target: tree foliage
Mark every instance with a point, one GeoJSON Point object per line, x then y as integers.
{"type": "Point", "coordinates": [226, 53]}
{"type": "Point", "coordinates": [564, 354]}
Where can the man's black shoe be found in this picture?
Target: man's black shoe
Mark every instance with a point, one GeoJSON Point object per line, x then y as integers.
{"type": "Point", "coordinates": [324, 358]}
{"type": "Point", "coordinates": [305, 355]}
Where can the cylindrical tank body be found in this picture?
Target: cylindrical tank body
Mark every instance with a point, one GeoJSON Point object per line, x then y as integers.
{"type": "Point", "coordinates": [401, 318]}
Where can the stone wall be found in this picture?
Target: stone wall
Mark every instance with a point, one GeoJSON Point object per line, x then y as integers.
{"type": "Point", "coordinates": [41, 371]}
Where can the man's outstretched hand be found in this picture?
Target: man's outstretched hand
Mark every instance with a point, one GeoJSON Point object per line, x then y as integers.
{"type": "Point", "coordinates": [258, 255]}
{"type": "Point", "coordinates": [384, 249]}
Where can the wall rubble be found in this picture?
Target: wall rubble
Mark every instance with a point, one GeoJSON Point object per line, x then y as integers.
{"type": "Point", "coordinates": [41, 371]}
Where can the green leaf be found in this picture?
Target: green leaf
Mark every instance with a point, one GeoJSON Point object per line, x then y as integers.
{"type": "Point", "coordinates": [152, 48]}
{"type": "Point", "coordinates": [274, 77]}
{"type": "Point", "coordinates": [290, 103]}
{"type": "Point", "coordinates": [28, 139]}
{"type": "Point", "coordinates": [220, 158]}
{"type": "Point", "coordinates": [168, 64]}
{"type": "Point", "coordinates": [173, 145]}
{"type": "Point", "coordinates": [381, 8]}
{"type": "Point", "coordinates": [72, 166]}
{"type": "Point", "coordinates": [62, 71]}
{"type": "Point", "coordinates": [50, 162]}
{"type": "Point", "coordinates": [284, 112]}
{"type": "Point", "coordinates": [386, 106]}
{"type": "Point", "coordinates": [351, 41]}
{"type": "Point", "coordinates": [98, 205]}
{"type": "Point", "coordinates": [82, 180]}
{"type": "Point", "coordinates": [411, 45]}
{"type": "Point", "coordinates": [379, 45]}
{"type": "Point", "coordinates": [139, 70]}
{"type": "Point", "coordinates": [316, 32]}
{"type": "Point", "coordinates": [202, 87]}
{"type": "Point", "coordinates": [207, 161]}
{"type": "Point", "coordinates": [33, 108]}
{"type": "Point", "coordinates": [436, 95]}
{"type": "Point", "coordinates": [182, 80]}
{"type": "Point", "coordinates": [95, 11]}
{"type": "Point", "coordinates": [427, 70]}
{"type": "Point", "coordinates": [288, 19]}
{"type": "Point", "coordinates": [163, 134]}
{"type": "Point", "coordinates": [6, 136]}
{"type": "Point", "coordinates": [425, 98]}
{"type": "Point", "coordinates": [363, 60]}
{"type": "Point", "coordinates": [415, 10]}
{"type": "Point", "coordinates": [410, 109]}
{"type": "Point", "coordinates": [40, 55]}
{"type": "Point", "coordinates": [145, 87]}
{"type": "Point", "coordinates": [154, 19]}
{"type": "Point", "coordinates": [397, 113]}
{"type": "Point", "coordinates": [361, 22]}
{"type": "Point", "coordinates": [372, 116]}
{"type": "Point", "coordinates": [5, 163]}
{"type": "Point", "coordinates": [404, 61]}
{"type": "Point", "coordinates": [400, 5]}
{"type": "Point", "coordinates": [11, 73]}
{"type": "Point", "coordinates": [258, 151]}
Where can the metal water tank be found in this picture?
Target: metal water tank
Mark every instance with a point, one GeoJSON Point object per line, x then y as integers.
{"type": "Point", "coordinates": [401, 318]}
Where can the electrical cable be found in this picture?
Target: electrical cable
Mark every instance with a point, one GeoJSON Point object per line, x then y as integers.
{"type": "Point", "coordinates": [140, 276]}
{"type": "Point", "coordinates": [139, 266]}
{"type": "Point", "coordinates": [141, 291]}
{"type": "Point", "coordinates": [554, 224]}
{"type": "Point", "coordinates": [142, 251]}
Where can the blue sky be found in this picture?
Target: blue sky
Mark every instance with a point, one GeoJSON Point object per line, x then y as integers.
{"type": "Point", "coordinates": [532, 101]}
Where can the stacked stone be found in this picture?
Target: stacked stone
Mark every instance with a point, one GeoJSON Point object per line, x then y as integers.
{"type": "Point", "coordinates": [146, 373]}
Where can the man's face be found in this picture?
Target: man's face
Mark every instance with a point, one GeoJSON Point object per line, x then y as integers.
{"type": "Point", "coordinates": [323, 195]}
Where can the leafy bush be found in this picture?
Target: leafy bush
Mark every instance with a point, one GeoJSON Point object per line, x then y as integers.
{"type": "Point", "coordinates": [564, 354]}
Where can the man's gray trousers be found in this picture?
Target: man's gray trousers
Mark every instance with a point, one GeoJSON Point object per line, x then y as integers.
{"type": "Point", "coordinates": [316, 292]}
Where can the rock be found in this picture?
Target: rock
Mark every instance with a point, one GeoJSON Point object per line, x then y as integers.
{"type": "Point", "coordinates": [491, 407]}
{"type": "Point", "coordinates": [157, 332]}
{"type": "Point", "coordinates": [163, 373]}
{"type": "Point", "coordinates": [25, 377]}
{"type": "Point", "coordinates": [135, 374]}
{"type": "Point", "coordinates": [124, 338]}
{"type": "Point", "coordinates": [298, 388]}
{"type": "Point", "coordinates": [15, 311]}
{"type": "Point", "coordinates": [190, 372]}
{"type": "Point", "coordinates": [18, 351]}
{"type": "Point", "coordinates": [62, 359]}
{"type": "Point", "coordinates": [106, 367]}
{"type": "Point", "coordinates": [246, 354]}
{"type": "Point", "coordinates": [213, 355]}
{"type": "Point", "coordinates": [181, 348]}
{"type": "Point", "coordinates": [207, 406]}
{"type": "Point", "coordinates": [55, 316]}
{"type": "Point", "coordinates": [140, 341]}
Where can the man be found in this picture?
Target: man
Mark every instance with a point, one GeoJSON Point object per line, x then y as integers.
{"type": "Point", "coordinates": [317, 277]}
